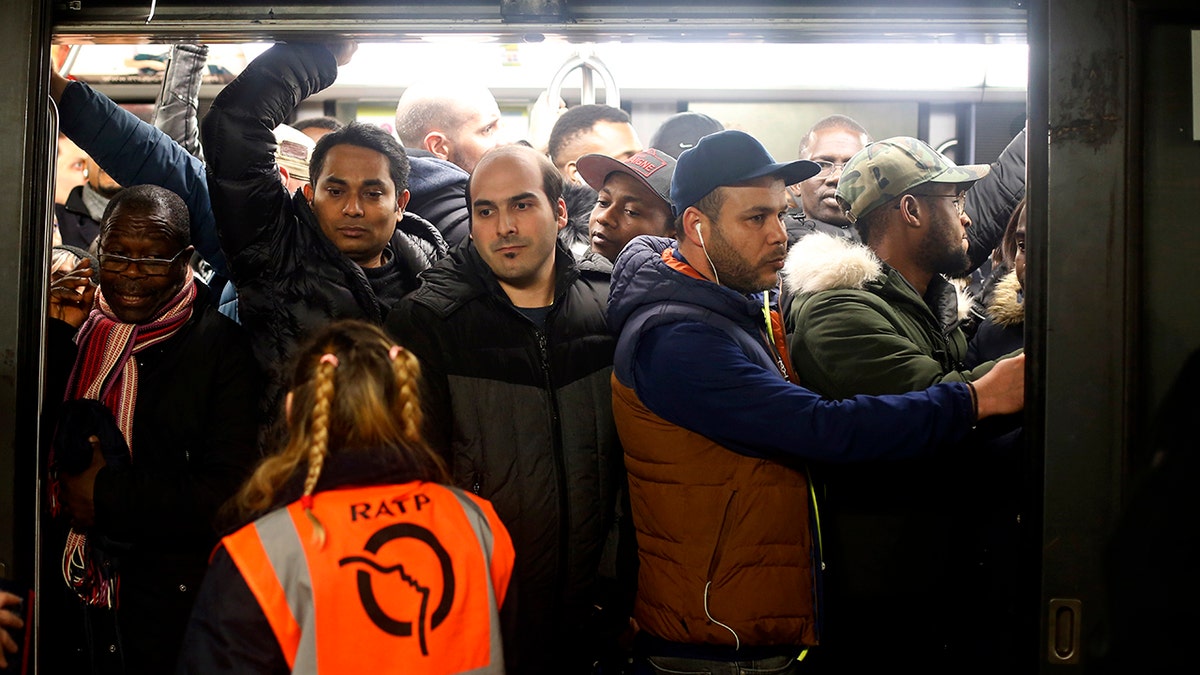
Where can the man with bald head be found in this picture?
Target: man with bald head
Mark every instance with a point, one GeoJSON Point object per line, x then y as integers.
{"type": "Point", "coordinates": [451, 121]}
{"type": "Point", "coordinates": [445, 128]}
{"type": "Point", "coordinates": [516, 357]}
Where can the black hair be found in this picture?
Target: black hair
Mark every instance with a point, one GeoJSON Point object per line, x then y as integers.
{"type": "Point", "coordinates": [328, 123]}
{"type": "Point", "coordinates": [366, 136]}
{"type": "Point", "coordinates": [579, 120]}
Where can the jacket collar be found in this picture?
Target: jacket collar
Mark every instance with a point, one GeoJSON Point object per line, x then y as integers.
{"type": "Point", "coordinates": [821, 262]}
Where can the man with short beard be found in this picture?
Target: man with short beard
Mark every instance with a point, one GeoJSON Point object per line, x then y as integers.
{"type": "Point", "coordinates": [79, 218]}
{"type": "Point", "coordinates": [516, 359]}
{"type": "Point", "coordinates": [717, 428]}
{"type": "Point", "coordinates": [882, 318]}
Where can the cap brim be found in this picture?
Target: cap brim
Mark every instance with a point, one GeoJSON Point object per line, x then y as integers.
{"type": "Point", "coordinates": [791, 172]}
{"type": "Point", "coordinates": [962, 174]}
{"type": "Point", "coordinates": [595, 169]}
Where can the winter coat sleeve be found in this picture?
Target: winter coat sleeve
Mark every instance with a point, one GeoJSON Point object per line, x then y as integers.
{"type": "Point", "coordinates": [844, 346]}
{"type": "Point", "coordinates": [710, 387]}
{"type": "Point", "coordinates": [177, 112]}
{"type": "Point", "coordinates": [991, 201]}
{"type": "Point", "coordinates": [248, 199]}
{"type": "Point", "coordinates": [136, 153]}
{"type": "Point", "coordinates": [228, 632]}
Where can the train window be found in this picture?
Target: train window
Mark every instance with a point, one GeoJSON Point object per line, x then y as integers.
{"type": "Point", "coordinates": [773, 90]}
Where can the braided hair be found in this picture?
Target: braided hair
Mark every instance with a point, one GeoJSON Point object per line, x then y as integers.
{"type": "Point", "coordinates": [352, 390]}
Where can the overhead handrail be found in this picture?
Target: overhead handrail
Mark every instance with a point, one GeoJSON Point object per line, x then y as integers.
{"type": "Point", "coordinates": [589, 64]}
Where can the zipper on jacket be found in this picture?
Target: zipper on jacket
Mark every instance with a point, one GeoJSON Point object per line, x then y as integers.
{"type": "Point", "coordinates": [560, 469]}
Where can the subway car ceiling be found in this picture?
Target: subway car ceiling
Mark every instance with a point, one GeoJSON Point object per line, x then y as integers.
{"type": "Point", "coordinates": [770, 68]}
{"type": "Point", "coordinates": [980, 21]}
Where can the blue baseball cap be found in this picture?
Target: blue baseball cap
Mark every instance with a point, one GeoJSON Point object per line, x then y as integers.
{"type": "Point", "coordinates": [727, 158]}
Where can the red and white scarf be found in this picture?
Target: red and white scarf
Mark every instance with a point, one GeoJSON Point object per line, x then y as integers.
{"type": "Point", "coordinates": [105, 370]}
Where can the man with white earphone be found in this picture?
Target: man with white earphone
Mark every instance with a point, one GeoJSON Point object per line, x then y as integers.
{"type": "Point", "coordinates": [716, 429]}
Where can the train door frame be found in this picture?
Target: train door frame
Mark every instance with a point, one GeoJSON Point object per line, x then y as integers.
{"type": "Point", "coordinates": [1083, 361]}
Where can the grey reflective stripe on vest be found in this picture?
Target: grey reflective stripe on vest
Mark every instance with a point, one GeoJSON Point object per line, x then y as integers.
{"type": "Point", "coordinates": [283, 547]}
{"type": "Point", "coordinates": [487, 544]}
{"type": "Point", "coordinates": [285, 551]}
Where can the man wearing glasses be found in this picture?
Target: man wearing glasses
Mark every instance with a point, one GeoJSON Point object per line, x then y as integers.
{"type": "Point", "coordinates": [156, 428]}
{"type": "Point", "coordinates": [884, 319]}
{"type": "Point", "coordinates": [830, 143]}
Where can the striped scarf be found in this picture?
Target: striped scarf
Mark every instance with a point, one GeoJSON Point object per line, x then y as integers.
{"type": "Point", "coordinates": [106, 371]}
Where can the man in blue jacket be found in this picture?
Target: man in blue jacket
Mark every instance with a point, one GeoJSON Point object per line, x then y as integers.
{"type": "Point", "coordinates": [716, 431]}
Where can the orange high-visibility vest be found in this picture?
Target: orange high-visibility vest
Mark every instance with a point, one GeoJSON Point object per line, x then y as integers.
{"type": "Point", "coordinates": [410, 580]}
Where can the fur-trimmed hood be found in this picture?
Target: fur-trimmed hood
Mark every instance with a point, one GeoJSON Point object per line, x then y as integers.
{"type": "Point", "coordinates": [822, 262]}
{"type": "Point", "coordinates": [1007, 307]}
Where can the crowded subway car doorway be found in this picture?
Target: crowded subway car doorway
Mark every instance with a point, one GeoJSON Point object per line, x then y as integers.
{"type": "Point", "coordinates": [953, 115]}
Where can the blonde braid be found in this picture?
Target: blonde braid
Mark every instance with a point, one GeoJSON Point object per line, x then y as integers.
{"type": "Point", "coordinates": [319, 446]}
{"type": "Point", "coordinates": [408, 374]}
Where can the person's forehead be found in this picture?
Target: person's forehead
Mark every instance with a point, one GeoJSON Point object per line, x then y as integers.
{"type": "Point", "coordinates": [144, 224]}
{"type": "Point", "coordinates": [843, 142]}
{"type": "Point", "coordinates": [346, 160]}
{"type": "Point", "coordinates": [610, 138]}
{"type": "Point", "coordinates": [515, 173]}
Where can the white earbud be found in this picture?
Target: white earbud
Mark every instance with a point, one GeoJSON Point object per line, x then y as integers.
{"type": "Point", "coordinates": [699, 234]}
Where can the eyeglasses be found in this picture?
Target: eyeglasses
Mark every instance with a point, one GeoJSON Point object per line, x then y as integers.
{"type": "Point", "coordinates": [960, 201]}
{"type": "Point", "coordinates": [827, 167]}
{"type": "Point", "coordinates": [151, 267]}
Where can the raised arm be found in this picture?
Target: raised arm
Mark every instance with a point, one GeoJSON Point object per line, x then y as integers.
{"type": "Point", "coordinates": [133, 152]}
{"type": "Point", "coordinates": [177, 112]}
{"type": "Point", "coordinates": [239, 143]}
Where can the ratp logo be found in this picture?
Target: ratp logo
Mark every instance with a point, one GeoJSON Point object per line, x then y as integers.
{"type": "Point", "coordinates": [422, 577]}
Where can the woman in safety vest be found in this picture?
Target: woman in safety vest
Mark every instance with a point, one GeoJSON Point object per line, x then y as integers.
{"type": "Point", "coordinates": [360, 558]}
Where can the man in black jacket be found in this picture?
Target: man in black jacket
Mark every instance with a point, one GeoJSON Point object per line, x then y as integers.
{"type": "Point", "coordinates": [342, 247]}
{"type": "Point", "coordinates": [177, 384]}
{"type": "Point", "coordinates": [517, 358]}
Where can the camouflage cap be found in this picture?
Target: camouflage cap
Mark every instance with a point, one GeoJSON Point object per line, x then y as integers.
{"type": "Point", "coordinates": [886, 169]}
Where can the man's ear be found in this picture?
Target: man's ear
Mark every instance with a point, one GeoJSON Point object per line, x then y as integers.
{"type": "Point", "coordinates": [283, 174]}
{"type": "Point", "coordinates": [308, 193]}
{"type": "Point", "coordinates": [692, 217]}
{"type": "Point", "coordinates": [572, 173]}
{"type": "Point", "coordinates": [402, 201]}
{"type": "Point", "coordinates": [562, 213]}
{"type": "Point", "coordinates": [437, 143]}
{"type": "Point", "coordinates": [910, 211]}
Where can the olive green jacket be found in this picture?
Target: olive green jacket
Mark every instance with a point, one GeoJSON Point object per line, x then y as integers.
{"type": "Point", "coordinates": [855, 326]}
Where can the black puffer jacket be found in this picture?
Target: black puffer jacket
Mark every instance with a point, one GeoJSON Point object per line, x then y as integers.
{"type": "Point", "coordinates": [991, 201]}
{"type": "Point", "coordinates": [290, 277]}
{"type": "Point", "coordinates": [523, 414]}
